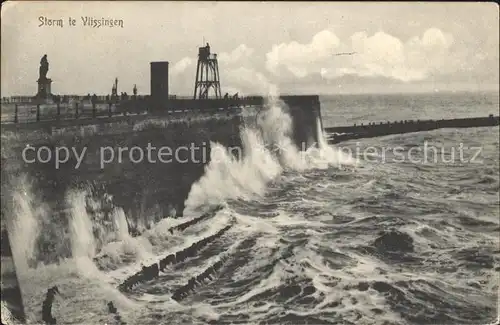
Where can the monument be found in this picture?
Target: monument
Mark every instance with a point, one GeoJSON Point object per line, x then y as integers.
{"type": "Point", "coordinates": [114, 90]}
{"type": "Point", "coordinates": [44, 83]}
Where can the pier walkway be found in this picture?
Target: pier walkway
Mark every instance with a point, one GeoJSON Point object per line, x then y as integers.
{"type": "Point", "coordinates": [371, 130]}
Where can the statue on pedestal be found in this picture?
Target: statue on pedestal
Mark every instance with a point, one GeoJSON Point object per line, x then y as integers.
{"type": "Point", "coordinates": [44, 83]}
{"type": "Point", "coordinates": [44, 68]}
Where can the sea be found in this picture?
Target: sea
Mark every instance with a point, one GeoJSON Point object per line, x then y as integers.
{"type": "Point", "coordinates": [399, 229]}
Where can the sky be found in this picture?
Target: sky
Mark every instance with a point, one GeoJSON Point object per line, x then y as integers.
{"type": "Point", "coordinates": [398, 47]}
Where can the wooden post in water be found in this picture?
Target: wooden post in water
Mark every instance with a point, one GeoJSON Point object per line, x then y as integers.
{"type": "Point", "coordinates": [58, 111]}
{"type": "Point", "coordinates": [109, 110]}
{"type": "Point", "coordinates": [15, 114]}
{"type": "Point", "coordinates": [76, 113]}
{"type": "Point", "coordinates": [37, 112]}
{"type": "Point", "coordinates": [93, 110]}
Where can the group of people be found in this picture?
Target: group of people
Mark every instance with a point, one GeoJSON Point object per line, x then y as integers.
{"type": "Point", "coordinates": [235, 96]}
{"type": "Point", "coordinates": [92, 99]}
{"type": "Point", "coordinates": [123, 96]}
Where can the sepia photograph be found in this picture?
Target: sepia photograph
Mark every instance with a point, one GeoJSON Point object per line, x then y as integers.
{"type": "Point", "coordinates": [245, 162]}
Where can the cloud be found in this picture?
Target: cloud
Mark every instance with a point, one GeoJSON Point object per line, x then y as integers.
{"type": "Point", "coordinates": [430, 57]}
{"type": "Point", "coordinates": [377, 55]}
{"type": "Point", "coordinates": [181, 66]}
{"type": "Point", "coordinates": [238, 55]}
{"type": "Point", "coordinates": [247, 80]}
{"type": "Point", "coordinates": [299, 57]}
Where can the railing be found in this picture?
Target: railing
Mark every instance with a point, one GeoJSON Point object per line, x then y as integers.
{"type": "Point", "coordinates": [23, 113]}
{"type": "Point", "coordinates": [100, 98]}
{"type": "Point", "coordinates": [71, 98]}
{"type": "Point", "coordinates": [31, 112]}
{"type": "Point", "coordinates": [24, 109]}
{"type": "Point", "coordinates": [108, 98]}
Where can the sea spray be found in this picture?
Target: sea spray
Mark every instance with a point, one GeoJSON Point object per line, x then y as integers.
{"type": "Point", "coordinates": [7, 317]}
{"type": "Point", "coordinates": [140, 247]}
{"type": "Point", "coordinates": [228, 177]}
{"type": "Point", "coordinates": [121, 224]}
{"type": "Point", "coordinates": [267, 150]}
{"type": "Point", "coordinates": [275, 126]}
{"type": "Point", "coordinates": [99, 229]}
{"type": "Point", "coordinates": [25, 225]}
{"type": "Point", "coordinates": [327, 154]}
{"type": "Point", "coordinates": [109, 222]}
{"type": "Point", "coordinates": [81, 229]}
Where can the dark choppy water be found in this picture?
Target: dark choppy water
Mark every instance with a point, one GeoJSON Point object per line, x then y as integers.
{"type": "Point", "coordinates": [317, 238]}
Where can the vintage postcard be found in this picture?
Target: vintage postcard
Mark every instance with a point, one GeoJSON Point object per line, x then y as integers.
{"type": "Point", "coordinates": [249, 162]}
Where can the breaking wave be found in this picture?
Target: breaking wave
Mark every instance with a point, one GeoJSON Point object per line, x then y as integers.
{"type": "Point", "coordinates": [267, 151]}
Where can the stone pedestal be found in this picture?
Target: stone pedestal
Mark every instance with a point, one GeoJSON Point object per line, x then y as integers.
{"type": "Point", "coordinates": [44, 90]}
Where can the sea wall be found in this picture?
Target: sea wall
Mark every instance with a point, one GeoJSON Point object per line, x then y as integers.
{"type": "Point", "coordinates": [108, 157]}
{"type": "Point", "coordinates": [130, 178]}
{"type": "Point", "coordinates": [147, 188]}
